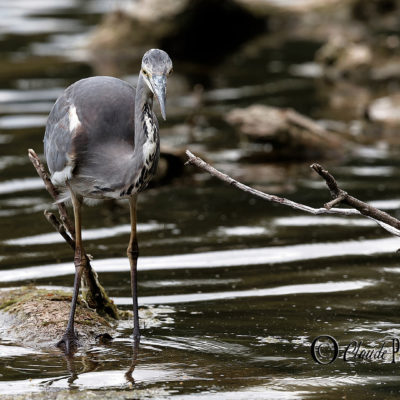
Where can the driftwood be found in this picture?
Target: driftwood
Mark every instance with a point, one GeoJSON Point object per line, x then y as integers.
{"type": "Point", "coordinates": [360, 208]}
{"type": "Point", "coordinates": [95, 295]}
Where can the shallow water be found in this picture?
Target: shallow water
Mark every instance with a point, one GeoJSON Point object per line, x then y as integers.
{"type": "Point", "coordinates": [240, 287]}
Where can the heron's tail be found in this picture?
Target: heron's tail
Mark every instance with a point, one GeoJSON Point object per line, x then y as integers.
{"type": "Point", "coordinates": [64, 196]}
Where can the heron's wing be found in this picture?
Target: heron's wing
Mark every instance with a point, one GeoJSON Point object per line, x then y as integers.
{"type": "Point", "coordinates": [58, 136]}
{"type": "Point", "coordinates": [90, 133]}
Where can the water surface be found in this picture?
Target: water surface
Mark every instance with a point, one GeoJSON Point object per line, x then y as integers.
{"type": "Point", "coordinates": [239, 287]}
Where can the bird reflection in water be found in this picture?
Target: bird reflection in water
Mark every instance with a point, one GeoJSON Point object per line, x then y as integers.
{"type": "Point", "coordinates": [135, 353]}
{"type": "Point", "coordinates": [91, 363]}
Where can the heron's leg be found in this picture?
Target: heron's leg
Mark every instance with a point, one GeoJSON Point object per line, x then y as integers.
{"type": "Point", "coordinates": [133, 254]}
{"type": "Point", "coordinates": [70, 338]}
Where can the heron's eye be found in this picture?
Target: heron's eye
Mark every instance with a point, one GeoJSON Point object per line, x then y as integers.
{"type": "Point", "coordinates": [144, 72]}
{"type": "Point", "coordinates": [170, 71]}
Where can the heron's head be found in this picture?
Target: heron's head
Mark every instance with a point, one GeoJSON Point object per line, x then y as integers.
{"type": "Point", "coordinates": [156, 66]}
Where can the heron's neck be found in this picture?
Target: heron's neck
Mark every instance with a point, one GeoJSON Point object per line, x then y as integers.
{"type": "Point", "coordinates": [143, 112]}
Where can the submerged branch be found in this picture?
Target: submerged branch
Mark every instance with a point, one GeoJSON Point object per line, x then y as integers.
{"type": "Point", "coordinates": [383, 219]}
{"type": "Point", "coordinates": [95, 295]}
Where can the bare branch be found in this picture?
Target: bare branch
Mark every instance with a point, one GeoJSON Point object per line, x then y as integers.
{"type": "Point", "coordinates": [359, 205]}
{"type": "Point", "coordinates": [52, 190]}
{"type": "Point", "coordinates": [336, 192]}
{"type": "Point", "coordinates": [335, 202]}
{"type": "Point", "coordinates": [59, 228]}
{"type": "Point", "coordinates": [95, 295]}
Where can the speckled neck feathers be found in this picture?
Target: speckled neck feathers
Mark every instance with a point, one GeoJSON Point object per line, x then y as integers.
{"type": "Point", "coordinates": [147, 140]}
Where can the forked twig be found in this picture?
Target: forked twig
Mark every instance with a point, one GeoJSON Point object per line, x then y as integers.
{"type": "Point", "coordinates": [383, 219]}
{"type": "Point", "coordinates": [52, 191]}
{"type": "Point", "coordinates": [60, 228]}
{"type": "Point", "coordinates": [363, 208]}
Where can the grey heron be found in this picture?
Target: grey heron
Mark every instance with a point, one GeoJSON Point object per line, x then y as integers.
{"type": "Point", "coordinates": [102, 142]}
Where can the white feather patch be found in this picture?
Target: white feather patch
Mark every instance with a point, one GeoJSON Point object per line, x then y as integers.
{"type": "Point", "coordinates": [150, 127]}
{"type": "Point", "coordinates": [74, 122]}
{"type": "Point", "coordinates": [60, 177]}
{"type": "Point", "coordinates": [150, 146]}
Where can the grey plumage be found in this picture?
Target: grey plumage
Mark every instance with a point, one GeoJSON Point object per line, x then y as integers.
{"type": "Point", "coordinates": [98, 130]}
{"type": "Point", "coordinates": [102, 141]}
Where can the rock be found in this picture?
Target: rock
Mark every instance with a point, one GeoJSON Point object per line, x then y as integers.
{"type": "Point", "coordinates": [266, 7]}
{"type": "Point", "coordinates": [259, 122]}
{"type": "Point", "coordinates": [361, 43]}
{"type": "Point", "coordinates": [179, 28]}
{"type": "Point", "coordinates": [344, 100]}
{"type": "Point", "coordinates": [343, 58]}
{"type": "Point", "coordinates": [154, 11]}
{"type": "Point", "coordinates": [38, 318]}
{"type": "Point", "coordinates": [379, 14]}
{"type": "Point", "coordinates": [121, 30]}
{"type": "Point", "coordinates": [290, 134]}
{"type": "Point", "coordinates": [385, 110]}
{"type": "Point", "coordinates": [387, 70]}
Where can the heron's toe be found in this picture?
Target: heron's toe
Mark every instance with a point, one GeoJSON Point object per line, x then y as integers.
{"type": "Point", "coordinates": [69, 342]}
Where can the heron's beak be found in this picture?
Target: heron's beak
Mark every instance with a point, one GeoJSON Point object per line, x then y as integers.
{"type": "Point", "coordinates": [159, 83]}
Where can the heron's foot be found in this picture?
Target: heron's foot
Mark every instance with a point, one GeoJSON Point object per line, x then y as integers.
{"type": "Point", "coordinates": [69, 342]}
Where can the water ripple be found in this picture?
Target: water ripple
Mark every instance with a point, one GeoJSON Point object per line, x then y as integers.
{"type": "Point", "coordinates": [326, 287]}
{"type": "Point", "coordinates": [22, 121]}
{"type": "Point", "coordinates": [216, 259]}
{"type": "Point", "coordinates": [20, 185]}
{"type": "Point", "coordinates": [88, 234]}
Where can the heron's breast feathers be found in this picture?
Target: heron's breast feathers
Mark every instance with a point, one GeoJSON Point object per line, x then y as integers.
{"type": "Point", "coordinates": [99, 168]}
{"type": "Point", "coordinates": [150, 153]}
